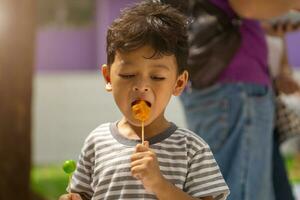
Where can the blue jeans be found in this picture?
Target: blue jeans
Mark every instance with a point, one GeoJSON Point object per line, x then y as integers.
{"type": "Point", "coordinates": [282, 187]}
{"type": "Point", "coordinates": [236, 120]}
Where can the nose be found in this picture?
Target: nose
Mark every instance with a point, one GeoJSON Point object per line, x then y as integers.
{"type": "Point", "coordinates": [141, 87]}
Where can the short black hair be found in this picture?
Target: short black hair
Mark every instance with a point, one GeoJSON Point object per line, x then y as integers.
{"type": "Point", "coordinates": [149, 23]}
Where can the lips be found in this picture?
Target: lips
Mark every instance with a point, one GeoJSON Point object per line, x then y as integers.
{"type": "Point", "coordinates": [138, 100]}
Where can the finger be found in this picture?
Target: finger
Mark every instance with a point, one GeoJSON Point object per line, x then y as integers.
{"type": "Point", "coordinates": [141, 148]}
{"type": "Point", "coordinates": [146, 161]}
{"type": "Point", "coordinates": [146, 144]}
{"type": "Point", "coordinates": [268, 27]}
{"type": "Point", "coordinates": [289, 26]}
{"type": "Point", "coordinates": [75, 196]}
{"type": "Point", "coordinates": [284, 25]}
{"type": "Point", "coordinates": [138, 172]}
{"type": "Point", "coordinates": [281, 26]}
{"type": "Point", "coordinates": [296, 26]}
{"type": "Point", "coordinates": [139, 155]}
{"type": "Point", "coordinates": [65, 197]}
{"type": "Point", "coordinates": [137, 176]}
{"type": "Point", "coordinates": [136, 163]}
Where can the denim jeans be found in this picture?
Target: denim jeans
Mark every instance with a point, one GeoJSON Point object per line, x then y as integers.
{"type": "Point", "coordinates": [282, 187]}
{"type": "Point", "coordinates": [237, 121]}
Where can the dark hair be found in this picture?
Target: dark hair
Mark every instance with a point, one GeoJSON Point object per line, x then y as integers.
{"type": "Point", "coordinates": [149, 23]}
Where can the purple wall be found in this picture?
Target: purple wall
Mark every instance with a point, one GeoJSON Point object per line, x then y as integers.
{"type": "Point", "coordinates": [85, 48]}
{"type": "Point", "coordinates": [107, 11]}
{"type": "Point", "coordinates": [66, 49]}
{"type": "Point", "coordinates": [293, 44]}
{"type": "Point", "coordinates": [72, 49]}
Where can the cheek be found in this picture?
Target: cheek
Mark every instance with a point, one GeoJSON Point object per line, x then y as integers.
{"type": "Point", "coordinates": [164, 94]}
{"type": "Point", "coordinates": [165, 89]}
{"type": "Point", "coordinates": [121, 96]}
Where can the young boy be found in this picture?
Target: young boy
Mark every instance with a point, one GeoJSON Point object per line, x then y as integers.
{"type": "Point", "coordinates": [147, 52]}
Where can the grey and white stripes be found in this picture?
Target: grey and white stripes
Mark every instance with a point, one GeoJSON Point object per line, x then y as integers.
{"type": "Point", "coordinates": [103, 169]}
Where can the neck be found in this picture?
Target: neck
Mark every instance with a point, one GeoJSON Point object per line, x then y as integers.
{"type": "Point", "coordinates": [130, 131]}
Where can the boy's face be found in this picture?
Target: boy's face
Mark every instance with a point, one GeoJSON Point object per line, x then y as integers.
{"type": "Point", "coordinates": [133, 76]}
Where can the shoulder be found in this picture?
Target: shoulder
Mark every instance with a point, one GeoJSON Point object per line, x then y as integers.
{"type": "Point", "coordinates": [102, 132]}
{"type": "Point", "coordinates": [99, 131]}
{"type": "Point", "coordinates": [191, 138]}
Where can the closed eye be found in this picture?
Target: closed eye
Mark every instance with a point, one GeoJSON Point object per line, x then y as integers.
{"type": "Point", "coordinates": [126, 76]}
{"type": "Point", "coordinates": [158, 78]}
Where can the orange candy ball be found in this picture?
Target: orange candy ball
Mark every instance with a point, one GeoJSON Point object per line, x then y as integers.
{"type": "Point", "coordinates": [141, 111]}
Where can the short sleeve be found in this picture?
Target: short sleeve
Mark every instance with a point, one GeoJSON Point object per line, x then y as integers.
{"type": "Point", "coordinates": [204, 177]}
{"type": "Point", "coordinates": [81, 182]}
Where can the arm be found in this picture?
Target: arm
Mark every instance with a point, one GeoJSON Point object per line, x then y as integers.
{"type": "Point", "coordinates": [168, 191]}
{"type": "Point", "coordinates": [284, 81]}
{"type": "Point", "coordinates": [263, 9]}
{"type": "Point", "coordinates": [144, 166]}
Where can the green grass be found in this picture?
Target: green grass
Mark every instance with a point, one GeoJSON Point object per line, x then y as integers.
{"type": "Point", "coordinates": [49, 181]}
{"type": "Point", "coordinates": [293, 168]}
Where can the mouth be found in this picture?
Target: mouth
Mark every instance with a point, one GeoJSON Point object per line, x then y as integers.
{"type": "Point", "coordinates": [138, 100]}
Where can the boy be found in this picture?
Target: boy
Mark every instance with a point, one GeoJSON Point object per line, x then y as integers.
{"type": "Point", "coordinates": [147, 53]}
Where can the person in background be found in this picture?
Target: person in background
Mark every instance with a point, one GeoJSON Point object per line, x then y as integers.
{"type": "Point", "coordinates": [284, 83]}
{"type": "Point", "coordinates": [281, 70]}
{"type": "Point", "coordinates": [235, 116]}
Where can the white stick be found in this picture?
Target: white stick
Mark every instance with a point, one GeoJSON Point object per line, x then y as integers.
{"type": "Point", "coordinates": [143, 133]}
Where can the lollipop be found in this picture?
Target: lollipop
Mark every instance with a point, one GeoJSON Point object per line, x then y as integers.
{"type": "Point", "coordinates": [141, 111]}
{"type": "Point", "coordinates": [69, 167]}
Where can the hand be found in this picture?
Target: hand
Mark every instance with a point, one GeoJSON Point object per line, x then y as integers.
{"type": "Point", "coordinates": [280, 28]}
{"type": "Point", "coordinates": [286, 84]}
{"type": "Point", "coordinates": [145, 167]}
{"type": "Point", "coordinates": [71, 196]}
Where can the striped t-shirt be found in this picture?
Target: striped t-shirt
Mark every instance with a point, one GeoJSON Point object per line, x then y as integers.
{"type": "Point", "coordinates": [103, 169]}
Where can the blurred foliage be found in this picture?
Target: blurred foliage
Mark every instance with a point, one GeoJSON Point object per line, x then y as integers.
{"type": "Point", "coordinates": [293, 167]}
{"type": "Point", "coordinates": [49, 181]}
{"type": "Point", "coordinates": [66, 12]}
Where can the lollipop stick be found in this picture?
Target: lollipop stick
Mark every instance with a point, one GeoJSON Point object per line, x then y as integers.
{"type": "Point", "coordinates": [143, 132]}
{"type": "Point", "coordinates": [70, 177]}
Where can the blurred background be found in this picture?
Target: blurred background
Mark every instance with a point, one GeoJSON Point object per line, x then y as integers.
{"type": "Point", "coordinates": [68, 99]}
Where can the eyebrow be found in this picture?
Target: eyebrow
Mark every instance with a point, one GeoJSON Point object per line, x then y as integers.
{"type": "Point", "coordinates": [126, 63]}
{"type": "Point", "coordinates": [161, 66]}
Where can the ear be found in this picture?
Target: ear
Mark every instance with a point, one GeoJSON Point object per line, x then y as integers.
{"type": "Point", "coordinates": [181, 82]}
{"type": "Point", "coordinates": [106, 75]}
